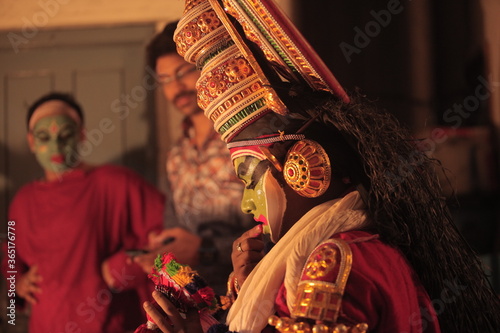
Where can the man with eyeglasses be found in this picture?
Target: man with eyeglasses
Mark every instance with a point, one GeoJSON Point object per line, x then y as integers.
{"type": "Point", "coordinates": [202, 216]}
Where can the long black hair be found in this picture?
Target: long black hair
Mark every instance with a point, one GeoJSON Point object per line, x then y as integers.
{"type": "Point", "coordinates": [406, 204]}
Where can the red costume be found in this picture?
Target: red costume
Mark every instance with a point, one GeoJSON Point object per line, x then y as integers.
{"type": "Point", "coordinates": [68, 228]}
{"type": "Point", "coordinates": [382, 290]}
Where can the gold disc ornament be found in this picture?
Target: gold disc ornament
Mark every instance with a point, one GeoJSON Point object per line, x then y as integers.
{"type": "Point", "coordinates": [307, 169]}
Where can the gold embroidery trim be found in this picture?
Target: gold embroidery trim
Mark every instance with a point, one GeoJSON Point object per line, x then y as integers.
{"type": "Point", "coordinates": [320, 301]}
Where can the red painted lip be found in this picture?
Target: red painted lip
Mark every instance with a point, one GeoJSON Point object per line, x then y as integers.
{"type": "Point", "coordinates": [57, 158]}
{"type": "Point", "coordinates": [262, 219]}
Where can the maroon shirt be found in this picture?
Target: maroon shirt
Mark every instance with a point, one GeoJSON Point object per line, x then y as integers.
{"type": "Point", "coordinates": [68, 228]}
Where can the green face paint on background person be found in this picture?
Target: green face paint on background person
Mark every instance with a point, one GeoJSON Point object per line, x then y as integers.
{"type": "Point", "coordinates": [263, 197]}
{"type": "Point", "coordinates": [55, 142]}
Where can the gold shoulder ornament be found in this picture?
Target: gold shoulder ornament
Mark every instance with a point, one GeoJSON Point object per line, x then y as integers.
{"type": "Point", "coordinates": [318, 302]}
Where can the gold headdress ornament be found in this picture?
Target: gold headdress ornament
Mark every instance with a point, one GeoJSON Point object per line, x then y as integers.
{"type": "Point", "coordinates": [234, 89]}
{"type": "Point", "coordinates": [245, 49]}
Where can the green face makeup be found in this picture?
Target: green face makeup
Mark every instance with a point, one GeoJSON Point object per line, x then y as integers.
{"type": "Point", "coordinates": [55, 143]}
{"type": "Point", "coordinates": [262, 197]}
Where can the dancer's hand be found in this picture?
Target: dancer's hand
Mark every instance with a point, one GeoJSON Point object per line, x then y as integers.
{"type": "Point", "coordinates": [248, 251]}
{"type": "Point", "coordinates": [171, 320]}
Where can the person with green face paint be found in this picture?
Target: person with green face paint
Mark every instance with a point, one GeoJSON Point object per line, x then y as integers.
{"type": "Point", "coordinates": [364, 241]}
{"type": "Point", "coordinates": [73, 227]}
{"type": "Point", "coordinates": [263, 197]}
{"type": "Point", "coordinates": [54, 137]}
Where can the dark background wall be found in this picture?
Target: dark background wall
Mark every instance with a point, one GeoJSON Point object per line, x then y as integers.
{"type": "Point", "coordinates": [390, 48]}
{"type": "Point", "coordinates": [424, 62]}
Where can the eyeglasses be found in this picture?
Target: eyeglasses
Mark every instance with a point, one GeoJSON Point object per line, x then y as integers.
{"type": "Point", "coordinates": [181, 73]}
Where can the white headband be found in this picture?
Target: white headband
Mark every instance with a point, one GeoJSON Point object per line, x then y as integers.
{"type": "Point", "coordinates": [52, 108]}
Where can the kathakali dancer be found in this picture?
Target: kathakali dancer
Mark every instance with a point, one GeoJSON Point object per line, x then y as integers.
{"type": "Point", "coordinates": [364, 241]}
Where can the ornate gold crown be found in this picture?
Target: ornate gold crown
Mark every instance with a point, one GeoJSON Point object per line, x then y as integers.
{"type": "Point", "coordinates": [226, 41]}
